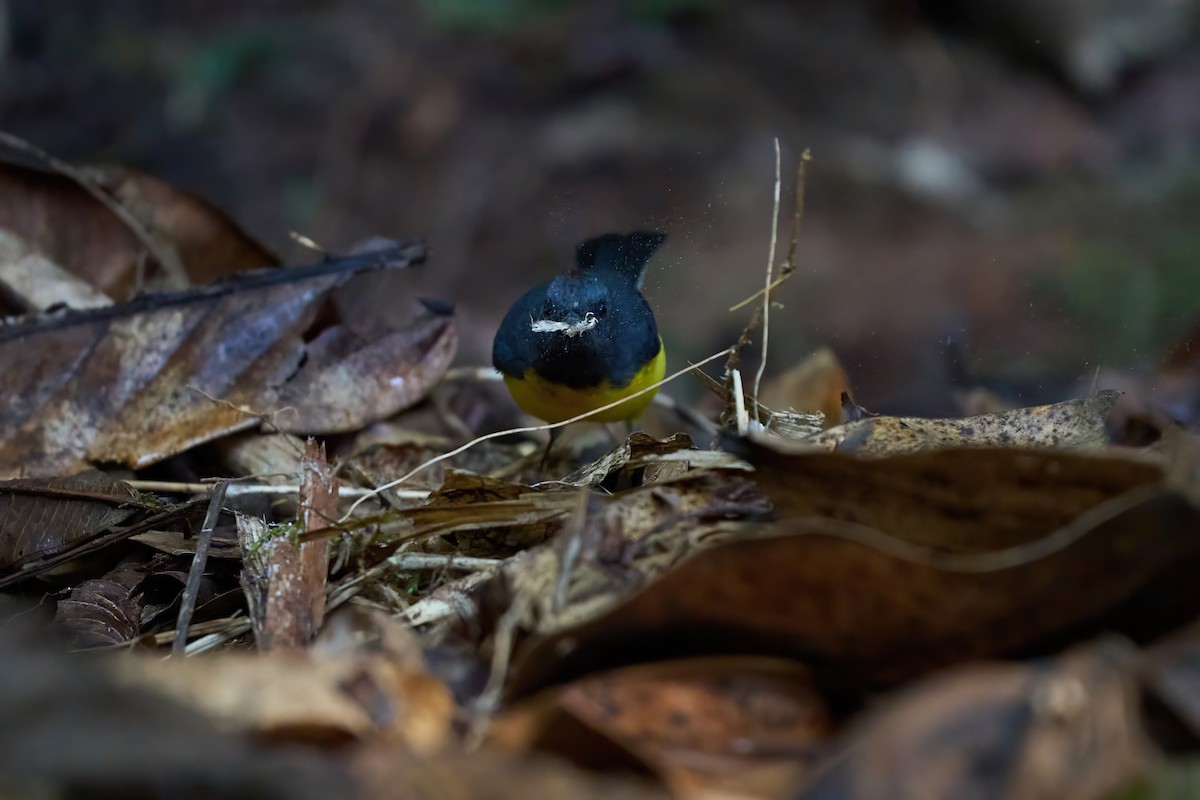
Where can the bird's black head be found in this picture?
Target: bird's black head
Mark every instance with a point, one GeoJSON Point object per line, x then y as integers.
{"type": "Point", "coordinates": [573, 295]}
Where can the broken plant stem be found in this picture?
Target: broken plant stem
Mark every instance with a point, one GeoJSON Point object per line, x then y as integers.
{"type": "Point", "coordinates": [527, 429]}
{"type": "Point", "coordinates": [739, 404]}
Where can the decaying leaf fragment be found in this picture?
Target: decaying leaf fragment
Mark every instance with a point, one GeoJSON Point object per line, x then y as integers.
{"type": "Point", "coordinates": [136, 382]}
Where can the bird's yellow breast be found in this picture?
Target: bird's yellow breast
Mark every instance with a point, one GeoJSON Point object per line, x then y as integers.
{"type": "Point", "coordinates": [554, 402]}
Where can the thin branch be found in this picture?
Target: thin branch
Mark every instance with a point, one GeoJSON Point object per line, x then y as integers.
{"type": "Point", "coordinates": [187, 603]}
{"type": "Point", "coordinates": [766, 306]}
{"type": "Point", "coordinates": [239, 489]}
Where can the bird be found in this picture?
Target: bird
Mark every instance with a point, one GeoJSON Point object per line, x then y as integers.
{"type": "Point", "coordinates": [586, 338]}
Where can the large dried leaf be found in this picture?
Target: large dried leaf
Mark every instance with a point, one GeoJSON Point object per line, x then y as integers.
{"type": "Point", "coordinates": [71, 228]}
{"type": "Point", "coordinates": [39, 518]}
{"type": "Point", "coordinates": [139, 381]}
{"type": "Point", "coordinates": [922, 577]}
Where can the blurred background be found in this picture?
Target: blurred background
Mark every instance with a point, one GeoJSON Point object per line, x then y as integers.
{"type": "Point", "coordinates": [1006, 187]}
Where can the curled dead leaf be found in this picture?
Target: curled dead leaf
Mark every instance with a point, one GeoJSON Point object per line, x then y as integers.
{"type": "Point", "coordinates": [1077, 424]}
{"type": "Point", "coordinates": [918, 588]}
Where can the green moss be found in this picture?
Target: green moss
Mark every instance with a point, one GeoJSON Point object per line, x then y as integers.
{"type": "Point", "coordinates": [1136, 300]}
{"type": "Point", "coordinates": [1177, 781]}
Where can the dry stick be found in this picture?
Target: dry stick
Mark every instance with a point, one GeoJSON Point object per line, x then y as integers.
{"type": "Point", "coordinates": [164, 254]}
{"type": "Point", "coordinates": [237, 489]}
{"type": "Point", "coordinates": [788, 268]}
{"type": "Point", "coordinates": [766, 306]}
{"type": "Point", "coordinates": [527, 429]}
{"type": "Point", "coordinates": [421, 561]}
{"type": "Point", "coordinates": [774, 285]}
{"type": "Point", "coordinates": [188, 603]}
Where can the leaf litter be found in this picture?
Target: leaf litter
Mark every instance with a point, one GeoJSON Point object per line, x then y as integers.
{"type": "Point", "coordinates": [825, 604]}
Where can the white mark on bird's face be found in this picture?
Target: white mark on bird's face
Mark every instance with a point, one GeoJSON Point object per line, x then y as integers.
{"type": "Point", "coordinates": [571, 330]}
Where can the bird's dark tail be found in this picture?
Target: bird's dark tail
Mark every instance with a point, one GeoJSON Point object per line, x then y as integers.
{"type": "Point", "coordinates": [625, 255]}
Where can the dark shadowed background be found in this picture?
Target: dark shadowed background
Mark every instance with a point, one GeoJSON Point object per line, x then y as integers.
{"type": "Point", "coordinates": [1011, 183]}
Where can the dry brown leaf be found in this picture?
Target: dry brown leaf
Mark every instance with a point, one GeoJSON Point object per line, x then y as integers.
{"type": "Point", "coordinates": [636, 452]}
{"type": "Point", "coordinates": [703, 725]}
{"type": "Point", "coordinates": [814, 384]}
{"type": "Point", "coordinates": [1077, 424]}
{"type": "Point", "coordinates": [31, 282]}
{"type": "Point", "coordinates": [291, 697]}
{"type": "Point", "coordinates": [1067, 729]}
{"type": "Point", "coordinates": [140, 381]}
{"type": "Point", "coordinates": [345, 384]}
{"type": "Point", "coordinates": [958, 500]}
{"type": "Point", "coordinates": [72, 229]}
{"type": "Point", "coordinates": [42, 517]}
{"type": "Point", "coordinates": [923, 577]}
